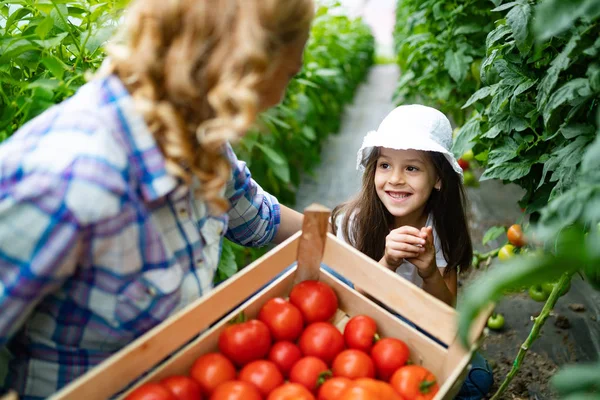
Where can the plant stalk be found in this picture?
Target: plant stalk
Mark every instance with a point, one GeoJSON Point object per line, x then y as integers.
{"type": "Point", "coordinates": [535, 332]}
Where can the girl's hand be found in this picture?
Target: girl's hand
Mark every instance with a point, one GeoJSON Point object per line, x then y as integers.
{"type": "Point", "coordinates": [404, 242]}
{"type": "Point", "coordinates": [425, 260]}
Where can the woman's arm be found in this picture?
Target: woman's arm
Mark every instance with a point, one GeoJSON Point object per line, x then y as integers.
{"type": "Point", "coordinates": [290, 223]}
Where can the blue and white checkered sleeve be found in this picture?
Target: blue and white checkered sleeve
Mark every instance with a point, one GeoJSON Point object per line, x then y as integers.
{"type": "Point", "coordinates": [254, 215]}
{"type": "Point", "coordinates": [38, 246]}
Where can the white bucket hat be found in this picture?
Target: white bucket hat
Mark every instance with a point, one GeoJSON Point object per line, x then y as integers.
{"type": "Point", "coordinates": [411, 127]}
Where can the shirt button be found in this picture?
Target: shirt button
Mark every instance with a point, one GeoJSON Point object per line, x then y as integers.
{"type": "Point", "coordinates": [151, 291]}
{"type": "Point", "coordinates": [183, 212]}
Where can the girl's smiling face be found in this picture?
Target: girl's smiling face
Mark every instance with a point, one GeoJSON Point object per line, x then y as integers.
{"type": "Point", "coordinates": [404, 180]}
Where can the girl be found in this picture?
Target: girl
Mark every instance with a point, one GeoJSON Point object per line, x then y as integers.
{"type": "Point", "coordinates": [410, 213]}
{"type": "Point", "coordinates": [114, 204]}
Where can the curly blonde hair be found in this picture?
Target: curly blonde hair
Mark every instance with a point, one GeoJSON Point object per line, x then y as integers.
{"type": "Point", "coordinates": [193, 68]}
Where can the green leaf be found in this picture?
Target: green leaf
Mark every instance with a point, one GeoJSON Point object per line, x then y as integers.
{"type": "Point", "coordinates": [574, 130]}
{"type": "Point", "coordinates": [566, 156]}
{"type": "Point", "coordinates": [278, 164]}
{"type": "Point", "coordinates": [44, 27]}
{"type": "Point", "coordinates": [506, 152]}
{"type": "Point", "coordinates": [227, 264]}
{"type": "Point", "coordinates": [559, 64]}
{"type": "Point", "coordinates": [465, 137]}
{"type": "Point", "coordinates": [97, 38]}
{"type": "Point", "coordinates": [457, 64]}
{"type": "Point", "coordinates": [52, 42]}
{"type": "Point", "coordinates": [553, 17]}
{"type": "Point", "coordinates": [508, 171]}
{"type": "Point", "coordinates": [591, 158]}
{"type": "Point", "coordinates": [481, 94]}
{"type": "Point", "coordinates": [55, 66]}
{"type": "Point", "coordinates": [497, 34]}
{"type": "Point", "coordinates": [576, 88]}
{"type": "Point", "coordinates": [506, 6]}
{"type": "Point", "coordinates": [492, 234]}
{"type": "Point", "coordinates": [518, 19]}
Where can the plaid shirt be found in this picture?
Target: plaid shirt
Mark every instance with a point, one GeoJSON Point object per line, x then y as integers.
{"type": "Point", "coordinates": [98, 243]}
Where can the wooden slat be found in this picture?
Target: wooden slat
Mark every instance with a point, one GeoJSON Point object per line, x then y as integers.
{"type": "Point", "coordinates": [181, 362]}
{"type": "Point", "coordinates": [432, 315]}
{"type": "Point", "coordinates": [131, 362]}
{"type": "Point", "coordinates": [312, 242]}
{"type": "Point", "coordinates": [424, 350]}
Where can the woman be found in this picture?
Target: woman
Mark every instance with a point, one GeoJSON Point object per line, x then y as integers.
{"type": "Point", "coordinates": [114, 203]}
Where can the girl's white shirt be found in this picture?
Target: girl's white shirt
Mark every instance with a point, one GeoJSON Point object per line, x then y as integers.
{"type": "Point", "coordinates": [406, 270]}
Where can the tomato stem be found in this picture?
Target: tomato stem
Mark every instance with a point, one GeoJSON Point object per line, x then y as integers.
{"type": "Point", "coordinates": [323, 376]}
{"type": "Point", "coordinates": [238, 319]}
{"type": "Point", "coordinates": [425, 386]}
{"type": "Point", "coordinates": [376, 338]}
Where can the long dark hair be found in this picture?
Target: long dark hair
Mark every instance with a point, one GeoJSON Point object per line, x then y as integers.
{"type": "Point", "coordinates": [371, 221]}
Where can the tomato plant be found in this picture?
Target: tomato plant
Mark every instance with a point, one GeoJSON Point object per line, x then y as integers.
{"type": "Point", "coordinates": [316, 300]}
{"type": "Point", "coordinates": [183, 387]}
{"type": "Point", "coordinates": [361, 333]}
{"type": "Point", "coordinates": [285, 355]}
{"type": "Point", "coordinates": [322, 340]}
{"type": "Point", "coordinates": [310, 372]}
{"type": "Point", "coordinates": [263, 374]}
{"type": "Point", "coordinates": [283, 319]}
{"type": "Point", "coordinates": [353, 364]}
{"type": "Point", "coordinates": [212, 369]}
{"type": "Point", "coordinates": [439, 46]}
{"type": "Point", "coordinates": [246, 341]}
{"type": "Point", "coordinates": [414, 382]}
{"type": "Point", "coordinates": [389, 354]}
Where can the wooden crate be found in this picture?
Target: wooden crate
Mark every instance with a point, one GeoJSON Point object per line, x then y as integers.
{"type": "Point", "coordinates": [179, 335]}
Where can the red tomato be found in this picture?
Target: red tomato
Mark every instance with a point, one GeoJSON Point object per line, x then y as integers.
{"type": "Point", "coordinates": [316, 300]}
{"type": "Point", "coordinates": [415, 382]}
{"type": "Point", "coordinates": [353, 364]}
{"type": "Point", "coordinates": [310, 372]}
{"type": "Point", "coordinates": [323, 340]}
{"type": "Point", "coordinates": [212, 369]}
{"type": "Point", "coordinates": [389, 354]}
{"type": "Point", "coordinates": [263, 374]}
{"type": "Point", "coordinates": [183, 387]}
{"type": "Point", "coordinates": [515, 236]}
{"type": "Point", "coordinates": [151, 391]}
{"type": "Point", "coordinates": [283, 319]}
{"type": "Point", "coordinates": [333, 388]}
{"type": "Point", "coordinates": [371, 389]}
{"type": "Point", "coordinates": [245, 342]}
{"type": "Point", "coordinates": [464, 164]}
{"type": "Point", "coordinates": [291, 391]}
{"type": "Point", "coordinates": [285, 355]}
{"type": "Point", "coordinates": [236, 390]}
{"type": "Point", "coordinates": [361, 333]}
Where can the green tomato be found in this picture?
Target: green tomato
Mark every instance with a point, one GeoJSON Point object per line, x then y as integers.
{"type": "Point", "coordinates": [495, 321]}
{"type": "Point", "coordinates": [548, 287]}
{"type": "Point", "coordinates": [470, 179]}
{"type": "Point", "coordinates": [536, 292]}
{"type": "Point", "coordinates": [468, 156]}
{"type": "Point", "coordinates": [476, 70]}
{"type": "Point", "coordinates": [455, 131]}
{"type": "Point", "coordinates": [506, 252]}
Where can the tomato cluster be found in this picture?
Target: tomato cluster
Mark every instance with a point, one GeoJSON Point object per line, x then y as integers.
{"type": "Point", "coordinates": [293, 351]}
